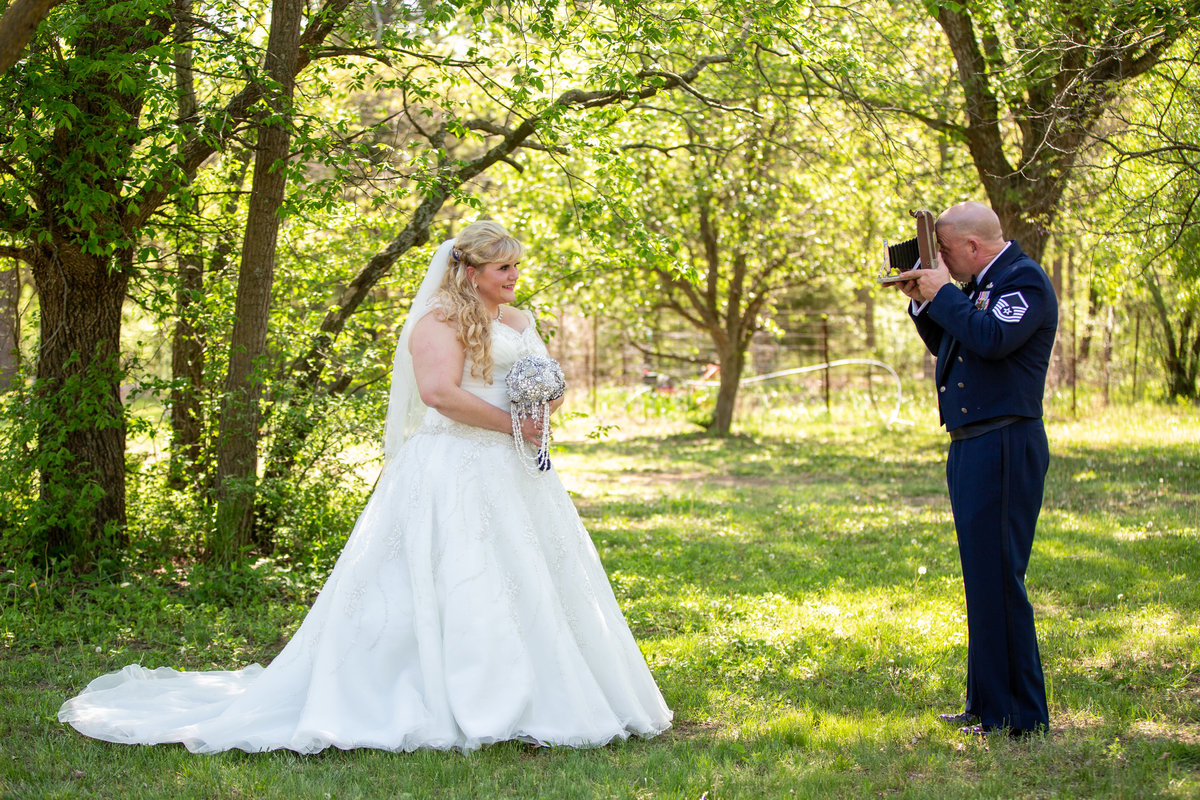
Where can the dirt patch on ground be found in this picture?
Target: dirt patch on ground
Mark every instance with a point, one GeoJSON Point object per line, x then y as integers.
{"type": "Point", "coordinates": [651, 477]}
{"type": "Point", "coordinates": [1085, 725]}
{"type": "Point", "coordinates": [692, 729]}
{"type": "Point", "coordinates": [651, 483]}
{"type": "Point", "coordinates": [1182, 732]}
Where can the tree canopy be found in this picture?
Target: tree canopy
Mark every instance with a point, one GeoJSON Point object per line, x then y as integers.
{"type": "Point", "coordinates": [220, 209]}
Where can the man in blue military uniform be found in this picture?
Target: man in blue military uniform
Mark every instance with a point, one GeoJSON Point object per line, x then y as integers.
{"type": "Point", "coordinates": [992, 340]}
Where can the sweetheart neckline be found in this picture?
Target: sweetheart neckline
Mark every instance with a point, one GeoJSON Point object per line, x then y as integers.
{"type": "Point", "coordinates": [511, 329]}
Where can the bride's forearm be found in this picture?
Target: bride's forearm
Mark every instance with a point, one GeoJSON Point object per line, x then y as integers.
{"type": "Point", "coordinates": [479, 413]}
{"type": "Point", "coordinates": [462, 406]}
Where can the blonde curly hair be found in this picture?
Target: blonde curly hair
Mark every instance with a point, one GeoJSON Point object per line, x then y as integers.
{"type": "Point", "coordinates": [480, 243]}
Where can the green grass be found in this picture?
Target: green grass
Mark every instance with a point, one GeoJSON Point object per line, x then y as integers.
{"type": "Point", "coordinates": [796, 591]}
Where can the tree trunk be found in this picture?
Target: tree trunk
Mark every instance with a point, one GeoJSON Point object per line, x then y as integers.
{"type": "Point", "coordinates": [1180, 361]}
{"type": "Point", "coordinates": [10, 325]}
{"type": "Point", "coordinates": [1186, 366]}
{"type": "Point", "coordinates": [18, 25]}
{"type": "Point", "coordinates": [304, 375]}
{"type": "Point", "coordinates": [1106, 359]}
{"type": "Point", "coordinates": [1179, 352]}
{"type": "Point", "coordinates": [1030, 235]}
{"type": "Point", "coordinates": [237, 445]}
{"type": "Point", "coordinates": [187, 373]}
{"type": "Point", "coordinates": [867, 298]}
{"type": "Point", "coordinates": [1089, 324]}
{"type": "Point", "coordinates": [80, 456]}
{"type": "Point", "coordinates": [81, 436]}
{"type": "Point", "coordinates": [1057, 370]}
{"type": "Point", "coordinates": [732, 361]}
{"type": "Point", "coordinates": [187, 345]}
{"type": "Point", "coordinates": [89, 189]}
{"type": "Point", "coordinates": [1056, 100]}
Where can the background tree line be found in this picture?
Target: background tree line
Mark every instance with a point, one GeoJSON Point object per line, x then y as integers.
{"type": "Point", "coordinates": [212, 215]}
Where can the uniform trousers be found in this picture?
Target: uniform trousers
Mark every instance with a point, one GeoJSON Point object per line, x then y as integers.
{"type": "Point", "coordinates": [996, 481]}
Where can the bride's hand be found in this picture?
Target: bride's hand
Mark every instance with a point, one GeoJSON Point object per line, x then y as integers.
{"type": "Point", "coordinates": [531, 431]}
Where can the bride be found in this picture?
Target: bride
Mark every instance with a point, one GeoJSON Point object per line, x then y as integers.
{"type": "Point", "coordinates": [469, 605]}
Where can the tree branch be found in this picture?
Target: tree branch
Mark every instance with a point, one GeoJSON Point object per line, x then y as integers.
{"type": "Point", "coordinates": [309, 366]}
{"type": "Point", "coordinates": [18, 25]}
{"type": "Point", "coordinates": [370, 53]}
{"type": "Point", "coordinates": [699, 315]}
{"type": "Point", "coordinates": [219, 128]}
{"type": "Point", "coordinates": [487, 126]}
{"type": "Point", "coordinates": [983, 135]}
{"type": "Point", "coordinates": [16, 253]}
{"type": "Point", "coordinates": [646, 351]}
{"type": "Point", "coordinates": [850, 95]}
{"type": "Point", "coordinates": [679, 308]}
{"type": "Point", "coordinates": [603, 97]}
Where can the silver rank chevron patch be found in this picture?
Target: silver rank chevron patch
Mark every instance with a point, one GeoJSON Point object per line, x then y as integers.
{"type": "Point", "coordinates": [1010, 307]}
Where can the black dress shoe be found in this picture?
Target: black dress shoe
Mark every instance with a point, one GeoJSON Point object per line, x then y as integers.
{"type": "Point", "coordinates": [961, 718]}
{"type": "Point", "coordinates": [983, 730]}
{"type": "Point", "coordinates": [998, 730]}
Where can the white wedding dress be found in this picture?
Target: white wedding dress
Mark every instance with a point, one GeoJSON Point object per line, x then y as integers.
{"type": "Point", "coordinates": [469, 606]}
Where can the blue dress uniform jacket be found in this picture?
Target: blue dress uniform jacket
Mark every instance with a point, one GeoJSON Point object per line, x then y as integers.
{"type": "Point", "coordinates": [992, 361]}
{"type": "Point", "coordinates": [993, 345]}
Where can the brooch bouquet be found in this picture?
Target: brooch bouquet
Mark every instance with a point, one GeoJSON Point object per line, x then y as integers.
{"type": "Point", "coordinates": [532, 383]}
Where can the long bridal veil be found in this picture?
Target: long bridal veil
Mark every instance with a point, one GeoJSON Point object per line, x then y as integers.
{"type": "Point", "coordinates": [405, 409]}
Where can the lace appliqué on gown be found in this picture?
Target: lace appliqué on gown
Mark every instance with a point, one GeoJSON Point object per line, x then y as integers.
{"type": "Point", "coordinates": [469, 606]}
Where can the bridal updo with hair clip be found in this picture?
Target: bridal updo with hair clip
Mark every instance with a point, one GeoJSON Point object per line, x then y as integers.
{"type": "Point", "coordinates": [480, 243]}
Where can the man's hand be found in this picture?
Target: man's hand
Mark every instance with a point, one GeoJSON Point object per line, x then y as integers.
{"type": "Point", "coordinates": [911, 289]}
{"type": "Point", "coordinates": [924, 283]}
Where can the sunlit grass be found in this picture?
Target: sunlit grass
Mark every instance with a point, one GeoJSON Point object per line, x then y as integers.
{"type": "Point", "coordinates": [797, 593]}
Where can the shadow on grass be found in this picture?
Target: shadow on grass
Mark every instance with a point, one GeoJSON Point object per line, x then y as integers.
{"type": "Point", "coordinates": [776, 586]}
{"type": "Point", "coordinates": [808, 519]}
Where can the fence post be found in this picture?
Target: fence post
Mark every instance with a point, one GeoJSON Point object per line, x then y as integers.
{"type": "Point", "coordinates": [1137, 335]}
{"type": "Point", "coordinates": [825, 358]}
{"type": "Point", "coordinates": [1074, 313]}
{"type": "Point", "coordinates": [595, 358]}
{"type": "Point", "coordinates": [10, 326]}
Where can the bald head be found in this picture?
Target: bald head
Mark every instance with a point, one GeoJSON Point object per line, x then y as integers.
{"type": "Point", "coordinates": [969, 237]}
{"type": "Point", "coordinates": [972, 219]}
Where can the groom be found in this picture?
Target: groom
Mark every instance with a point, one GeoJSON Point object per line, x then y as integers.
{"type": "Point", "coordinates": [992, 340]}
